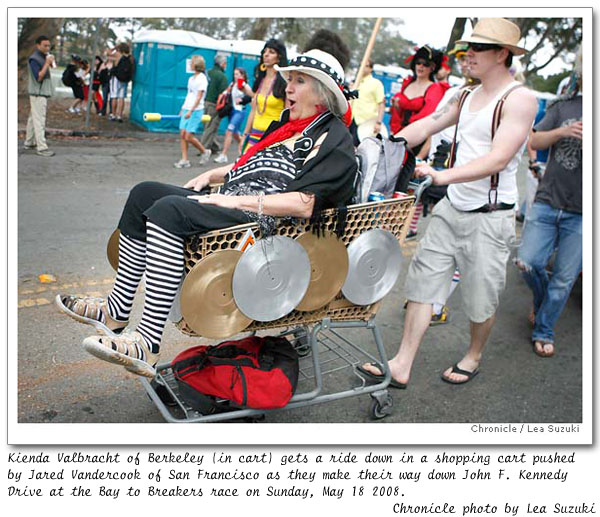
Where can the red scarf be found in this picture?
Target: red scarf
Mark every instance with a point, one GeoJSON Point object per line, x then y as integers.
{"type": "Point", "coordinates": [286, 131]}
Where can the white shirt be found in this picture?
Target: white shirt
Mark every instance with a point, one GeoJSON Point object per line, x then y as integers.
{"type": "Point", "coordinates": [475, 137]}
{"type": "Point", "coordinates": [235, 95]}
{"type": "Point", "coordinates": [196, 83]}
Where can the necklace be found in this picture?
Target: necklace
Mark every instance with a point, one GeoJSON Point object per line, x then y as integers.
{"type": "Point", "coordinates": [258, 110]}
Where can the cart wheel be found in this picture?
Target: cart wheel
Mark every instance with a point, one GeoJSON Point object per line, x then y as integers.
{"type": "Point", "coordinates": [381, 409]}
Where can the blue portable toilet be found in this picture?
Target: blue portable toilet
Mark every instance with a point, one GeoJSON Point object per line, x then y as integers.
{"type": "Point", "coordinates": [163, 67]}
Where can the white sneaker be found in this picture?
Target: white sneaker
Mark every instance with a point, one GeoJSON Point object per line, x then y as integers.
{"type": "Point", "coordinates": [221, 158]}
{"type": "Point", "coordinates": [71, 110]}
{"type": "Point", "coordinates": [205, 157]}
{"type": "Point", "coordinates": [182, 164]}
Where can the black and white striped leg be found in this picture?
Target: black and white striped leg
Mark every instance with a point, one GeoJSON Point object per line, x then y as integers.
{"type": "Point", "coordinates": [164, 270]}
{"type": "Point", "coordinates": [132, 264]}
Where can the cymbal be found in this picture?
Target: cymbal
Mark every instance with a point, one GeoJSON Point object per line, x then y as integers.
{"type": "Point", "coordinates": [328, 269]}
{"type": "Point", "coordinates": [207, 303]}
{"type": "Point", "coordinates": [112, 249]}
{"type": "Point", "coordinates": [271, 278]}
{"type": "Point", "coordinates": [375, 262]}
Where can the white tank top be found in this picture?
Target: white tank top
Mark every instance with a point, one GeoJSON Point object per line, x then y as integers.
{"type": "Point", "coordinates": [475, 137]}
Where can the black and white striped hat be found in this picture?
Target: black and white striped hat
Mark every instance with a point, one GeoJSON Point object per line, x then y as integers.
{"type": "Point", "coordinates": [323, 67]}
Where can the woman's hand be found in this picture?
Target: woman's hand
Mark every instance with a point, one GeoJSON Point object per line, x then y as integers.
{"type": "Point", "coordinates": [199, 182]}
{"type": "Point", "coordinates": [188, 115]}
{"type": "Point", "coordinates": [217, 199]}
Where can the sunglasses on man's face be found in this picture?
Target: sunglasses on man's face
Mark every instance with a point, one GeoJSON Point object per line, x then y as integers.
{"type": "Point", "coordinates": [422, 62]}
{"type": "Point", "coordinates": [482, 47]}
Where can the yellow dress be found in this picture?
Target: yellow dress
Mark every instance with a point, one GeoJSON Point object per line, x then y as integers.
{"type": "Point", "coordinates": [263, 116]}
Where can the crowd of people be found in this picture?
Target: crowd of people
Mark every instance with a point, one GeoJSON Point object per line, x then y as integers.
{"type": "Point", "coordinates": [110, 76]}
{"type": "Point", "coordinates": [296, 156]}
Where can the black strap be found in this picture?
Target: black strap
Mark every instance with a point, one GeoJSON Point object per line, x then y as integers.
{"type": "Point", "coordinates": [461, 102]}
{"type": "Point", "coordinates": [495, 178]}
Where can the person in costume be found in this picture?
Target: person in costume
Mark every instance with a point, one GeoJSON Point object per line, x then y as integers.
{"type": "Point", "coordinates": [418, 98]}
{"type": "Point", "coordinates": [269, 91]}
{"type": "Point", "coordinates": [304, 164]}
{"type": "Point", "coordinates": [420, 94]}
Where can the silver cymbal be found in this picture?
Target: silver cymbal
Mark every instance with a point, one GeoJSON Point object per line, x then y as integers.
{"type": "Point", "coordinates": [271, 278]}
{"type": "Point", "coordinates": [329, 267]}
{"type": "Point", "coordinates": [112, 249]}
{"type": "Point", "coordinates": [375, 262]}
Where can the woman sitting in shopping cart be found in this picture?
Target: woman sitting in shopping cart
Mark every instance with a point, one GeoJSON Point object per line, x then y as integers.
{"type": "Point", "coordinates": [304, 163]}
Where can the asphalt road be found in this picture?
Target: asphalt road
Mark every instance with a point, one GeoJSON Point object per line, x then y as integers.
{"type": "Point", "coordinates": [70, 204]}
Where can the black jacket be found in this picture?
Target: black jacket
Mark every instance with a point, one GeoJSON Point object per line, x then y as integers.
{"type": "Point", "coordinates": [331, 174]}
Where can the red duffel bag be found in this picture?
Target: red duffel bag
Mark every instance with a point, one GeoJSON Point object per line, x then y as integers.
{"type": "Point", "coordinates": [254, 372]}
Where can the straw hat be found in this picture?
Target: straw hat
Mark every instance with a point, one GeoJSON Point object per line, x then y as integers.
{"type": "Point", "coordinates": [496, 31]}
{"type": "Point", "coordinates": [323, 67]}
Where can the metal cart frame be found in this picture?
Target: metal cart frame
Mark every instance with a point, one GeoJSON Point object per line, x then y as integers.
{"type": "Point", "coordinates": [317, 335]}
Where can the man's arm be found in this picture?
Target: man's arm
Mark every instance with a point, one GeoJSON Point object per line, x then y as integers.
{"type": "Point", "coordinates": [420, 130]}
{"type": "Point", "coordinates": [40, 72]}
{"type": "Point", "coordinates": [517, 119]}
{"type": "Point", "coordinates": [545, 139]}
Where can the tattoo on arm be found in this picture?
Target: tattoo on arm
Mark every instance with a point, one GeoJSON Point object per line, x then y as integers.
{"type": "Point", "coordinates": [439, 114]}
{"type": "Point", "coordinates": [449, 105]}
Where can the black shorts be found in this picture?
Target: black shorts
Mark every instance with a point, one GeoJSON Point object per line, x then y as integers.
{"type": "Point", "coordinates": [77, 91]}
{"type": "Point", "coordinates": [169, 207]}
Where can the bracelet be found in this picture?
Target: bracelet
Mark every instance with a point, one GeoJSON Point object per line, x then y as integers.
{"type": "Point", "coordinates": [261, 200]}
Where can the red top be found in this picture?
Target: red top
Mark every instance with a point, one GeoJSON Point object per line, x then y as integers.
{"type": "Point", "coordinates": [405, 111]}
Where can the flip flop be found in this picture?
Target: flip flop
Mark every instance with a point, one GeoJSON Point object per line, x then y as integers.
{"type": "Point", "coordinates": [460, 371]}
{"type": "Point", "coordinates": [542, 353]}
{"type": "Point", "coordinates": [379, 378]}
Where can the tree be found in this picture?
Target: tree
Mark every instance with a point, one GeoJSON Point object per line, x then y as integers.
{"type": "Point", "coordinates": [29, 30]}
{"type": "Point", "coordinates": [559, 37]}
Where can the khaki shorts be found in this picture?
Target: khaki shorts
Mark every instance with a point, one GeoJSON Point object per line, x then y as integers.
{"type": "Point", "coordinates": [479, 244]}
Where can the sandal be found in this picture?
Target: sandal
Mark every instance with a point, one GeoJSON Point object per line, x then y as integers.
{"type": "Point", "coordinates": [541, 352]}
{"type": "Point", "coordinates": [92, 311]}
{"type": "Point", "coordinates": [460, 371]}
{"type": "Point", "coordinates": [129, 350]}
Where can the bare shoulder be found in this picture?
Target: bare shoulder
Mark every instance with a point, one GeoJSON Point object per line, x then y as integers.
{"type": "Point", "coordinates": [522, 97]}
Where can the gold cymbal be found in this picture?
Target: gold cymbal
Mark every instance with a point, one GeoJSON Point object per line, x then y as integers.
{"type": "Point", "coordinates": [207, 303]}
{"type": "Point", "coordinates": [328, 269]}
{"type": "Point", "coordinates": [112, 249]}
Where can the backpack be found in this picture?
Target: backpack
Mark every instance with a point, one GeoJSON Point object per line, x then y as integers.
{"type": "Point", "coordinates": [224, 103]}
{"type": "Point", "coordinates": [124, 71]}
{"type": "Point", "coordinates": [386, 166]}
{"type": "Point", "coordinates": [68, 76]}
{"type": "Point", "coordinates": [254, 372]}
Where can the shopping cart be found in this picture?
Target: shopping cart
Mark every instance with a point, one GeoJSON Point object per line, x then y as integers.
{"type": "Point", "coordinates": [331, 341]}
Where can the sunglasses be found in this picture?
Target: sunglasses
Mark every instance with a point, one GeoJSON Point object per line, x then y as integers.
{"type": "Point", "coordinates": [482, 47]}
{"type": "Point", "coordinates": [422, 62]}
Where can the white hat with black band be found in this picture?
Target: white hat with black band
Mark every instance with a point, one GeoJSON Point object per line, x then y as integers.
{"type": "Point", "coordinates": [323, 67]}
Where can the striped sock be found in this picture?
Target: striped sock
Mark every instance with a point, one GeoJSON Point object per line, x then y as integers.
{"type": "Point", "coordinates": [415, 220]}
{"type": "Point", "coordinates": [132, 263]}
{"type": "Point", "coordinates": [164, 270]}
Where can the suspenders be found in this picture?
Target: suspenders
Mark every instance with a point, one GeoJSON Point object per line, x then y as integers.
{"type": "Point", "coordinates": [494, 179]}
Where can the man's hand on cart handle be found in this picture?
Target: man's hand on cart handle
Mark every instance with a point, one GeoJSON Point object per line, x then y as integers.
{"type": "Point", "coordinates": [422, 169]}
